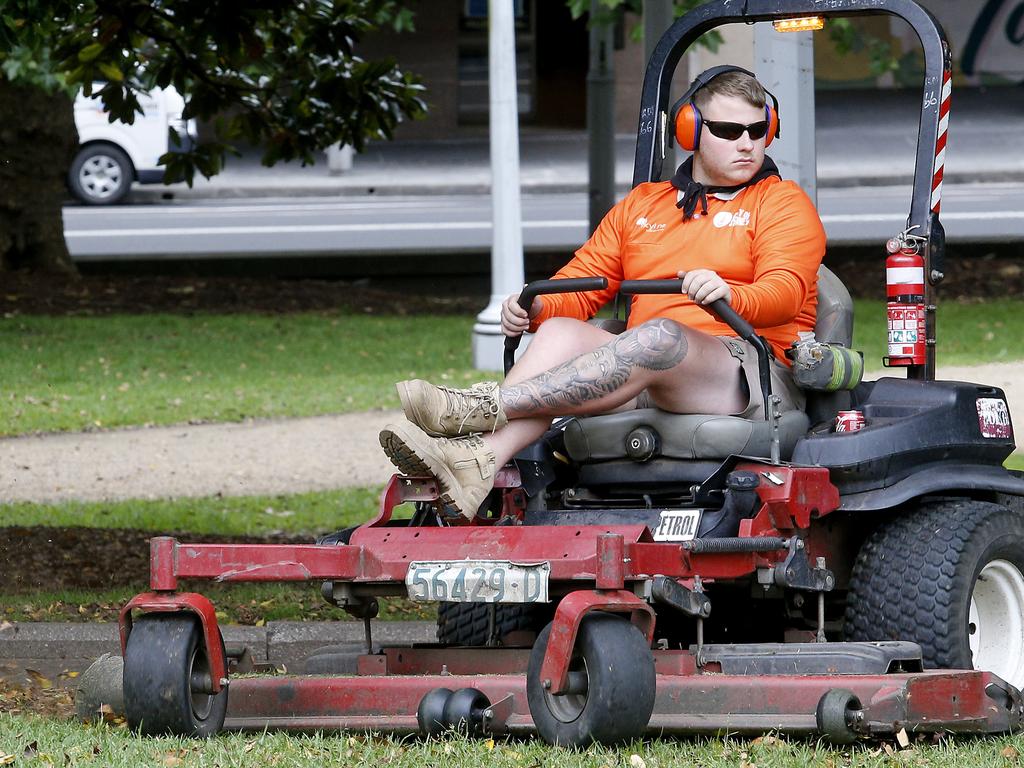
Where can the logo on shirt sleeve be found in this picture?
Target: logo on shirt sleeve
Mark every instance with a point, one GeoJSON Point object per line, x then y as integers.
{"type": "Point", "coordinates": [729, 219]}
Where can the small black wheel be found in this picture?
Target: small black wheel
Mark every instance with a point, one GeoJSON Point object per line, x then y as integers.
{"type": "Point", "coordinates": [167, 679]}
{"type": "Point", "coordinates": [100, 174]}
{"type": "Point", "coordinates": [612, 685]}
{"type": "Point", "coordinates": [430, 712]}
{"type": "Point", "coordinates": [464, 711]}
{"type": "Point", "coordinates": [835, 715]}
{"type": "Point", "coordinates": [949, 576]}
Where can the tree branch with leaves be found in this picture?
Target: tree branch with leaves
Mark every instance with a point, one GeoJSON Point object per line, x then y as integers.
{"type": "Point", "coordinates": [282, 75]}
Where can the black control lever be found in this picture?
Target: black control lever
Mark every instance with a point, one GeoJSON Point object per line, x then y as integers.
{"type": "Point", "coordinates": [539, 287]}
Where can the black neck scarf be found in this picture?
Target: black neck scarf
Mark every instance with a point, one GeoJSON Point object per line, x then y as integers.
{"type": "Point", "coordinates": [694, 192]}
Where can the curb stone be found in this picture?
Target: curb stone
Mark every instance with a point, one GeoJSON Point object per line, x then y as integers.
{"type": "Point", "coordinates": [61, 651]}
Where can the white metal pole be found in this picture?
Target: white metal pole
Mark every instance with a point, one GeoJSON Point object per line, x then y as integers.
{"type": "Point", "coordinates": [507, 274]}
{"type": "Point", "coordinates": [784, 61]}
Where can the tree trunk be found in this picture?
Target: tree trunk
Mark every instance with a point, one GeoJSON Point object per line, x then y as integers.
{"type": "Point", "coordinates": [37, 143]}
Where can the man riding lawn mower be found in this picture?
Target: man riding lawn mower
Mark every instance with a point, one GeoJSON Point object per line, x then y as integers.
{"type": "Point", "coordinates": [699, 548]}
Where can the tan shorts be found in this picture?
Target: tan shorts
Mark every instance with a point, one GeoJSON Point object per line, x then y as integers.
{"type": "Point", "coordinates": [781, 377]}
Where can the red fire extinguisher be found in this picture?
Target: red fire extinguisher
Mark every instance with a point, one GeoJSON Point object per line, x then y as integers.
{"type": "Point", "coordinates": [904, 283]}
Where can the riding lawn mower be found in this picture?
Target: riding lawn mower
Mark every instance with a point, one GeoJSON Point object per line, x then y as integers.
{"type": "Point", "coordinates": [645, 573]}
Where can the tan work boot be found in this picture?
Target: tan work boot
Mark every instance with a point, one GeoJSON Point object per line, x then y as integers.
{"type": "Point", "coordinates": [447, 412]}
{"type": "Point", "coordinates": [464, 466]}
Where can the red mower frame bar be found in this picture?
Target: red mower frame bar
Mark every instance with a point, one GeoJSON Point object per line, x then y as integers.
{"type": "Point", "coordinates": [923, 231]}
{"type": "Point", "coordinates": [600, 577]}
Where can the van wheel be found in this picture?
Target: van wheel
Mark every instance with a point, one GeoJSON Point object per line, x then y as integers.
{"type": "Point", "coordinates": [101, 174]}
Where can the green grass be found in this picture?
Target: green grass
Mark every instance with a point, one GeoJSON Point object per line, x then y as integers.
{"type": "Point", "coordinates": [967, 334]}
{"type": "Point", "coordinates": [36, 741]}
{"type": "Point", "coordinates": [70, 373]}
{"type": "Point", "coordinates": [305, 513]}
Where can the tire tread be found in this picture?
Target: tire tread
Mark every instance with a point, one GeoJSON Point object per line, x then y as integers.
{"type": "Point", "coordinates": [913, 577]}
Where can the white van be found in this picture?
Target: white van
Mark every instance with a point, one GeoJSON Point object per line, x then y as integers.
{"type": "Point", "coordinates": [113, 155]}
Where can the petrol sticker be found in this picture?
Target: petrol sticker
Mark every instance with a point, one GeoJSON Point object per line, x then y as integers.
{"type": "Point", "coordinates": [994, 418]}
{"type": "Point", "coordinates": [678, 525]}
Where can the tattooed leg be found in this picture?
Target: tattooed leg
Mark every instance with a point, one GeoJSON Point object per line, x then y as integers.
{"type": "Point", "coordinates": [604, 378]}
{"type": "Point", "coordinates": [569, 360]}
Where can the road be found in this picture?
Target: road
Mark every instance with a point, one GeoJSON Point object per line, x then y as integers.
{"type": "Point", "coordinates": [341, 226]}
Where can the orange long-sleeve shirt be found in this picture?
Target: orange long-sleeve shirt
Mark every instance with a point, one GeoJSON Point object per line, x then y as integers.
{"type": "Point", "coordinates": [766, 242]}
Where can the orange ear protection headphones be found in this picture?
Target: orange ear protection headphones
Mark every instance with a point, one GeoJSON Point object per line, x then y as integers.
{"type": "Point", "coordinates": [686, 119]}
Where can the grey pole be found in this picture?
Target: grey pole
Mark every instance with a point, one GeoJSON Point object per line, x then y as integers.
{"type": "Point", "coordinates": [507, 274]}
{"type": "Point", "coordinates": [600, 119]}
{"type": "Point", "coordinates": [784, 62]}
{"type": "Point", "coordinates": [658, 17]}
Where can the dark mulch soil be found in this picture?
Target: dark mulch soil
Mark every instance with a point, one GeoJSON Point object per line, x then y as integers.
{"type": "Point", "coordinates": [30, 294]}
{"type": "Point", "coordinates": [971, 273]}
{"type": "Point", "coordinates": [56, 559]}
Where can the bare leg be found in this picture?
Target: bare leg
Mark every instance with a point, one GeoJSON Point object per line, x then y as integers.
{"type": "Point", "coordinates": [685, 371]}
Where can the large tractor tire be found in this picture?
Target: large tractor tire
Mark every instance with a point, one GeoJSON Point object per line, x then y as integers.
{"type": "Point", "coordinates": [948, 575]}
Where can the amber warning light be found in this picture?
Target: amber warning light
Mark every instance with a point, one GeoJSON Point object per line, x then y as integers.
{"type": "Point", "coordinates": [803, 24]}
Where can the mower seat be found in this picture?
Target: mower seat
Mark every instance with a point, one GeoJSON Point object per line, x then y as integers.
{"type": "Point", "coordinates": [647, 433]}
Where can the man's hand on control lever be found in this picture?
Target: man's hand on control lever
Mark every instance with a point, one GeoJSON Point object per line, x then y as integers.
{"type": "Point", "coordinates": [705, 286]}
{"type": "Point", "coordinates": [514, 319]}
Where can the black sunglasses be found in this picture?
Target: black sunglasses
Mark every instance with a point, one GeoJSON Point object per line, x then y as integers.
{"type": "Point", "coordinates": [732, 131]}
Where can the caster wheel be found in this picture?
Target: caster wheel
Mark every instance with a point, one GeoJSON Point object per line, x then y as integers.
{"type": "Point", "coordinates": [835, 715]}
{"type": "Point", "coordinates": [611, 685]}
{"type": "Point", "coordinates": [167, 679]}
{"type": "Point", "coordinates": [464, 711]}
{"type": "Point", "coordinates": [430, 712]}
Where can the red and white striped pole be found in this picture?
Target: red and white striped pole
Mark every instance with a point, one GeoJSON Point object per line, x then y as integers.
{"type": "Point", "coordinates": [940, 142]}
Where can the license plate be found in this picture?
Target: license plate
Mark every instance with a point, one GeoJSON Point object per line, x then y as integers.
{"type": "Point", "coordinates": [478, 581]}
{"type": "Point", "coordinates": [677, 525]}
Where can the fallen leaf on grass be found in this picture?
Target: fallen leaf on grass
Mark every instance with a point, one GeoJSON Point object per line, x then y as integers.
{"type": "Point", "coordinates": [902, 739]}
{"type": "Point", "coordinates": [109, 716]}
{"type": "Point", "coordinates": [39, 679]}
{"type": "Point", "coordinates": [1010, 753]}
{"type": "Point", "coordinates": [635, 761]}
{"type": "Point", "coordinates": [6, 759]}
{"type": "Point", "coordinates": [173, 758]}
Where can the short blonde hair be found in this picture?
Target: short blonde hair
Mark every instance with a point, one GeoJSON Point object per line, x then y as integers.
{"type": "Point", "coordinates": [732, 84]}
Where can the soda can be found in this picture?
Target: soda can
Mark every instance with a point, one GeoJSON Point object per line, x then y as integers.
{"type": "Point", "coordinates": [849, 421]}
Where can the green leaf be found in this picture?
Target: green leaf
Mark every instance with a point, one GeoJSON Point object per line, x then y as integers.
{"type": "Point", "coordinates": [90, 52]}
{"type": "Point", "coordinates": [111, 72]}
